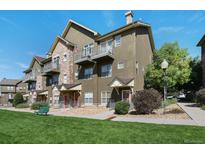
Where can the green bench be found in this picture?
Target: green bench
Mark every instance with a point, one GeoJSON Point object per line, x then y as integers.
{"type": "Point", "coordinates": [42, 111]}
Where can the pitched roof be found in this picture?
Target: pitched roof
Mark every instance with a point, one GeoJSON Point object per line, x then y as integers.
{"type": "Point", "coordinates": [69, 24]}
{"type": "Point", "coordinates": [202, 41]}
{"type": "Point", "coordinates": [39, 59]}
{"type": "Point", "coordinates": [57, 39]}
{"type": "Point", "coordinates": [11, 82]}
{"type": "Point", "coordinates": [137, 23]}
{"type": "Point", "coordinates": [124, 81]}
{"type": "Point", "coordinates": [68, 86]}
{"type": "Point", "coordinates": [35, 58]}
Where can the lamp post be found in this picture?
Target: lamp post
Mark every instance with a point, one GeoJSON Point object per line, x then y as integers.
{"type": "Point", "coordinates": [164, 66]}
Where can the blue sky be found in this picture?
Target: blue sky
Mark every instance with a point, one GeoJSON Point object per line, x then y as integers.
{"type": "Point", "coordinates": [27, 33]}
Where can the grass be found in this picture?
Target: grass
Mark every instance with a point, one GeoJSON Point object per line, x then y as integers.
{"type": "Point", "coordinates": [16, 127]}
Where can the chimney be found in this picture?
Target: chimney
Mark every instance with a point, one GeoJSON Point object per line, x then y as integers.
{"type": "Point", "coordinates": [129, 15]}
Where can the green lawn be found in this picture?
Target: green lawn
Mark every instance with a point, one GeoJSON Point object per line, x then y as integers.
{"type": "Point", "coordinates": [16, 127]}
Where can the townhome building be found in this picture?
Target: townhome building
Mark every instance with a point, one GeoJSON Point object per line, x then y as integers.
{"type": "Point", "coordinates": [86, 68]}
{"type": "Point", "coordinates": [112, 66]}
{"type": "Point", "coordinates": [58, 71]}
{"type": "Point", "coordinates": [36, 82]}
{"type": "Point", "coordinates": [201, 44]}
{"type": "Point", "coordinates": [8, 89]}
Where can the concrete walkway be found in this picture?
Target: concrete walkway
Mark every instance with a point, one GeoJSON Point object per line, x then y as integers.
{"type": "Point", "coordinates": [156, 121]}
{"type": "Point", "coordinates": [194, 112]}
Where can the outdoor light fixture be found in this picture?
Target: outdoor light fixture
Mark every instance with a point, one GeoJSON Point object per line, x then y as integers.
{"type": "Point", "coordinates": [164, 66]}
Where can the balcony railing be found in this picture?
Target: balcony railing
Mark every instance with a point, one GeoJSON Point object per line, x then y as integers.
{"type": "Point", "coordinates": [51, 67]}
{"type": "Point", "coordinates": [30, 77]}
{"type": "Point", "coordinates": [95, 54]}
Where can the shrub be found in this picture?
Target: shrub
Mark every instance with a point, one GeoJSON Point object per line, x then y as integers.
{"type": "Point", "coordinates": [200, 97]}
{"type": "Point", "coordinates": [146, 101]}
{"type": "Point", "coordinates": [169, 102]}
{"type": "Point", "coordinates": [122, 107]}
{"type": "Point", "coordinates": [18, 99]}
{"type": "Point", "coordinates": [23, 105]}
{"type": "Point", "coordinates": [190, 97]}
{"type": "Point", "coordinates": [38, 105]}
{"type": "Point", "coordinates": [203, 107]}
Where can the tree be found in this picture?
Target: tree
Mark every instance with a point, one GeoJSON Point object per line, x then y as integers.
{"type": "Point", "coordinates": [195, 82]}
{"type": "Point", "coordinates": [178, 72]}
{"type": "Point", "coordinates": [18, 99]}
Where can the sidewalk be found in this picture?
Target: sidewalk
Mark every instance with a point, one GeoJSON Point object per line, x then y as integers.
{"type": "Point", "coordinates": [194, 112]}
{"type": "Point", "coordinates": [156, 121]}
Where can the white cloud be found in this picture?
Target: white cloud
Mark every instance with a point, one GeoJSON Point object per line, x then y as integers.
{"type": "Point", "coordinates": [109, 18]}
{"type": "Point", "coordinates": [22, 65]}
{"type": "Point", "coordinates": [169, 29]}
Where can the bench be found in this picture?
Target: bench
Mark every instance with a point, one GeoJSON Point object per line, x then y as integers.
{"type": "Point", "coordinates": [42, 111]}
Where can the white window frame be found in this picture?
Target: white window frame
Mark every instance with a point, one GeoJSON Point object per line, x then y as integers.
{"type": "Point", "coordinates": [117, 42]}
{"type": "Point", "coordinates": [88, 49]}
{"type": "Point", "coordinates": [110, 71]}
{"type": "Point", "coordinates": [106, 96]}
{"type": "Point", "coordinates": [88, 98]}
{"type": "Point", "coordinates": [107, 47]}
{"type": "Point", "coordinates": [121, 65]}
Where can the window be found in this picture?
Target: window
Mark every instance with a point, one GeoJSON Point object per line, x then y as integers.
{"type": "Point", "coordinates": [55, 79]}
{"type": "Point", "coordinates": [121, 65]}
{"type": "Point", "coordinates": [105, 97]}
{"type": "Point", "coordinates": [88, 98]}
{"type": "Point", "coordinates": [12, 88]}
{"type": "Point", "coordinates": [65, 57]}
{"type": "Point", "coordinates": [106, 70]}
{"type": "Point", "coordinates": [56, 62]}
{"type": "Point", "coordinates": [117, 41]}
{"type": "Point", "coordinates": [109, 45]}
{"type": "Point", "coordinates": [88, 72]}
{"type": "Point", "coordinates": [10, 96]}
{"type": "Point", "coordinates": [8, 88]}
{"type": "Point", "coordinates": [65, 78]}
{"type": "Point", "coordinates": [106, 46]}
{"type": "Point", "coordinates": [88, 49]}
{"type": "Point", "coordinates": [103, 47]}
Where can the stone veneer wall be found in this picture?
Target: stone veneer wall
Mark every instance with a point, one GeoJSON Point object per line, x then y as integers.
{"type": "Point", "coordinates": [66, 67]}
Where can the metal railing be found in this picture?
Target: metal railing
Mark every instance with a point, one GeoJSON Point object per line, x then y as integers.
{"type": "Point", "coordinates": [29, 77]}
{"type": "Point", "coordinates": [82, 55]}
{"type": "Point", "coordinates": [51, 66]}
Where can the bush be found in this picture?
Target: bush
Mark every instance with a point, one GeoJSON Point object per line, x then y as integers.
{"type": "Point", "coordinates": [38, 105]}
{"type": "Point", "coordinates": [18, 99]}
{"type": "Point", "coordinates": [200, 97]}
{"type": "Point", "coordinates": [23, 105]}
{"type": "Point", "coordinates": [122, 107]}
{"type": "Point", "coordinates": [203, 107]}
{"type": "Point", "coordinates": [146, 101]}
{"type": "Point", "coordinates": [190, 97]}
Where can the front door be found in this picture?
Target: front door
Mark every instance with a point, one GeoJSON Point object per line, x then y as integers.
{"type": "Point", "coordinates": [65, 101]}
{"type": "Point", "coordinates": [126, 95]}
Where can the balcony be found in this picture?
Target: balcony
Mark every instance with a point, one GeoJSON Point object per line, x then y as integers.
{"type": "Point", "coordinates": [50, 69]}
{"type": "Point", "coordinates": [82, 58]}
{"type": "Point", "coordinates": [100, 55]}
{"type": "Point", "coordinates": [97, 55]}
{"type": "Point", "coordinates": [29, 78]}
